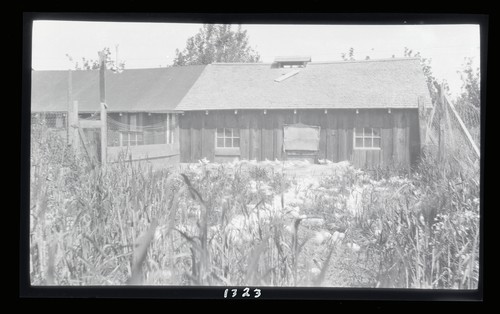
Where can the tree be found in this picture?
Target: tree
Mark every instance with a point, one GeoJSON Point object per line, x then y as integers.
{"type": "Point", "coordinates": [349, 56]}
{"type": "Point", "coordinates": [94, 64]}
{"type": "Point", "coordinates": [216, 43]}
{"type": "Point", "coordinates": [470, 84]}
{"type": "Point", "coordinates": [468, 103]}
{"type": "Point", "coordinates": [432, 82]}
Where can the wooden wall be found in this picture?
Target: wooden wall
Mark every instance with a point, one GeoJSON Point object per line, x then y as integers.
{"type": "Point", "coordinates": [261, 135]}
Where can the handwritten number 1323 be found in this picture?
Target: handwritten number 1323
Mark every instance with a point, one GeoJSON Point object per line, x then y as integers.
{"type": "Point", "coordinates": [246, 293]}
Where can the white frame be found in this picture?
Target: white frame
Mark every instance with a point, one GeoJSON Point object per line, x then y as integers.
{"type": "Point", "coordinates": [134, 131]}
{"type": "Point", "coordinates": [232, 137]}
{"type": "Point", "coordinates": [129, 135]}
{"type": "Point", "coordinates": [364, 136]}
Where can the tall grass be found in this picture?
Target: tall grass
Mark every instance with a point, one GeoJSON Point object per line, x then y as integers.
{"type": "Point", "coordinates": [245, 223]}
{"type": "Point", "coordinates": [420, 231]}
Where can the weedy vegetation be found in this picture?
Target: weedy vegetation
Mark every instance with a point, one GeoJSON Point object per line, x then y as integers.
{"type": "Point", "coordinates": [248, 223]}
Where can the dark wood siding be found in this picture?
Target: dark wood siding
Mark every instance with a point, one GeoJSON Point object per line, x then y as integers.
{"type": "Point", "coordinates": [323, 124]}
{"type": "Point", "coordinates": [414, 130]}
{"type": "Point", "coordinates": [244, 125]}
{"type": "Point", "coordinates": [400, 140]}
{"type": "Point", "coordinates": [185, 137]}
{"type": "Point", "coordinates": [386, 140]}
{"type": "Point", "coordinates": [279, 121]}
{"type": "Point", "coordinates": [342, 125]}
{"type": "Point", "coordinates": [209, 129]}
{"type": "Point", "coordinates": [267, 136]}
{"type": "Point", "coordinates": [255, 135]}
{"type": "Point", "coordinates": [332, 144]}
{"type": "Point", "coordinates": [196, 136]}
{"type": "Point", "coordinates": [261, 135]}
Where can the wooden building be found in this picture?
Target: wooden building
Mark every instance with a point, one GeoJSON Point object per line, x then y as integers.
{"type": "Point", "coordinates": [142, 119]}
{"type": "Point", "coordinates": [366, 112]}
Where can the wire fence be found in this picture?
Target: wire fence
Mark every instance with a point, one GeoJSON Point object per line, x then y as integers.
{"type": "Point", "coordinates": [453, 135]}
{"type": "Point", "coordinates": [50, 120]}
{"type": "Point", "coordinates": [56, 123]}
{"type": "Point", "coordinates": [154, 129]}
{"type": "Point", "coordinates": [471, 116]}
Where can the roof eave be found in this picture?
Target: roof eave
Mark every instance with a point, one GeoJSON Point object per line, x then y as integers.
{"type": "Point", "coordinates": [296, 108]}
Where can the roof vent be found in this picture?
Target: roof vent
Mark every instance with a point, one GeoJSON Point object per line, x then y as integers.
{"type": "Point", "coordinates": [292, 61]}
{"type": "Point", "coordinates": [287, 75]}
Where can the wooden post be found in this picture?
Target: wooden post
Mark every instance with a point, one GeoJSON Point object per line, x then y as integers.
{"type": "Point", "coordinates": [70, 107]}
{"type": "Point", "coordinates": [73, 125]}
{"type": "Point", "coordinates": [104, 133]}
{"type": "Point", "coordinates": [102, 92]}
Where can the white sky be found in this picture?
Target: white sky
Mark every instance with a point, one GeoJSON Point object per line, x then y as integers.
{"type": "Point", "coordinates": [151, 45]}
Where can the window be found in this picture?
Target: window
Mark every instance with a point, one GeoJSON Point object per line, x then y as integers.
{"type": "Point", "coordinates": [132, 129]}
{"type": "Point", "coordinates": [227, 138]}
{"type": "Point", "coordinates": [132, 138]}
{"type": "Point", "coordinates": [154, 127]}
{"type": "Point", "coordinates": [367, 138]}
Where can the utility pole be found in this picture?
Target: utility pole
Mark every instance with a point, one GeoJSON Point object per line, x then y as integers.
{"type": "Point", "coordinates": [69, 132]}
{"type": "Point", "coordinates": [72, 118]}
{"type": "Point", "coordinates": [102, 93]}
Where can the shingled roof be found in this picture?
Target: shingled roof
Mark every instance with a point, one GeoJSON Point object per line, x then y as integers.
{"type": "Point", "coordinates": [388, 83]}
{"type": "Point", "coordinates": [133, 90]}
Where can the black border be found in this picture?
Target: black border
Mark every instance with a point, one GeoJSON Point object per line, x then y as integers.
{"type": "Point", "coordinates": [346, 295]}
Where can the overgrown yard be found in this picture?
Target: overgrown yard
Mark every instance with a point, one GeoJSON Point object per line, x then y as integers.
{"type": "Point", "coordinates": [248, 223]}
